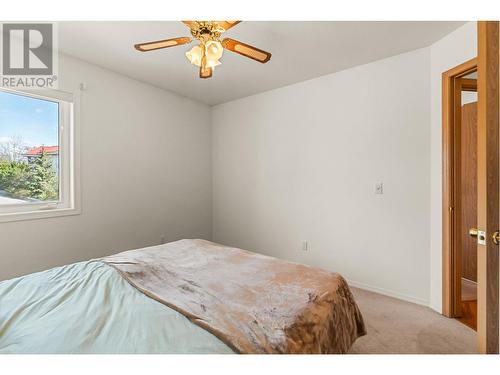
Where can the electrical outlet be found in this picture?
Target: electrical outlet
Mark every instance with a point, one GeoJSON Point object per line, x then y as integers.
{"type": "Point", "coordinates": [305, 246]}
{"type": "Point", "coordinates": [379, 188]}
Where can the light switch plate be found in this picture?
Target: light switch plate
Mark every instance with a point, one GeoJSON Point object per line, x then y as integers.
{"type": "Point", "coordinates": [379, 188]}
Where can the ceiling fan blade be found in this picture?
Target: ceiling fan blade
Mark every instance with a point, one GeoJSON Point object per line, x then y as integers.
{"type": "Point", "coordinates": [150, 46]}
{"type": "Point", "coordinates": [205, 72]}
{"type": "Point", "coordinates": [189, 24]}
{"type": "Point", "coordinates": [246, 50]}
{"type": "Point", "coordinates": [226, 25]}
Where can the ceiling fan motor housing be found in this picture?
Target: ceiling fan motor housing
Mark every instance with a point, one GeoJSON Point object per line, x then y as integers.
{"type": "Point", "coordinates": [205, 31]}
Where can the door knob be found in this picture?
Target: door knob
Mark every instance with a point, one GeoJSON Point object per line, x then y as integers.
{"type": "Point", "coordinates": [496, 238]}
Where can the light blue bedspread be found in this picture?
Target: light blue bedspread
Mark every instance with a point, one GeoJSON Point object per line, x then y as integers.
{"type": "Point", "coordinates": [88, 307]}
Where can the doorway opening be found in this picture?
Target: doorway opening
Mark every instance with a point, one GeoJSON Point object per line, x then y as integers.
{"type": "Point", "coordinates": [466, 112]}
{"type": "Point", "coordinates": [460, 193]}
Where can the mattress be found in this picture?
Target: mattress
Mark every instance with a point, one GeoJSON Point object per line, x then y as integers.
{"type": "Point", "coordinates": [188, 296]}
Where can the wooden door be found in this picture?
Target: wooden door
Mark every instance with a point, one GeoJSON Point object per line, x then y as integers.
{"type": "Point", "coordinates": [488, 154]}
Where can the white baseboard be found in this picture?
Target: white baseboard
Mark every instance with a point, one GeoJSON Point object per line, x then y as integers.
{"type": "Point", "coordinates": [388, 293]}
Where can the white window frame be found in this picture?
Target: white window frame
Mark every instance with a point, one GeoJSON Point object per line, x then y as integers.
{"type": "Point", "coordinates": [69, 195]}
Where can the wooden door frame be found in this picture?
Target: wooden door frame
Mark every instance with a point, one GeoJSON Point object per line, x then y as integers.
{"type": "Point", "coordinates": [453, 85]}
{"type": "Point", "coordinates": [488, 185]}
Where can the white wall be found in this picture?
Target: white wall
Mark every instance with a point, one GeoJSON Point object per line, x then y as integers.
{"type": "Point", "coordinates": [300, 163]}
{"type": "Point", "coordinates": [452, 50]}
{"type": "Point", "coordinates": [145, 170]}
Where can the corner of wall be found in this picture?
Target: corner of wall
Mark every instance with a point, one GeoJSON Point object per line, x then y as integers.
{"type": "Point", "coordinates": [211, 125]}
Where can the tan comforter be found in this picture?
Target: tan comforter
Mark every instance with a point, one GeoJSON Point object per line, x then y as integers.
{"type": "Point", "coordinates": [254, 303]}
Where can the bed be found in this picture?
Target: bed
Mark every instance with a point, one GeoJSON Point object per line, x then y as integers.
{"type": "Point", "coordinates": [187, 296]}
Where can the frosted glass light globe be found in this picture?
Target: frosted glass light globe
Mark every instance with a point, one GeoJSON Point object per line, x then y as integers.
{"type": "Point", "coordinates": [195, 55]}
{"type": "Point", "coordinates": [214, 50]}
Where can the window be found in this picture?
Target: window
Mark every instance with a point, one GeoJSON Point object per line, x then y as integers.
{"type": "Point", "coordinates": [37, 156]}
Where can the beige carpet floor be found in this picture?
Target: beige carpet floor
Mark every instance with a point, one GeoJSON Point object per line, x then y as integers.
{"type": "Point", "coordinates": [399, 327]}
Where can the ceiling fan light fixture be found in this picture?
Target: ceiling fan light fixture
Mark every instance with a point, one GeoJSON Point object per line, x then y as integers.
{"type": "Point", "coordinates": [212, 51]}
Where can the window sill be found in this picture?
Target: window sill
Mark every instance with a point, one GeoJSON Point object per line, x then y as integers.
{"type": "Point", "coordinates": [38, 214]}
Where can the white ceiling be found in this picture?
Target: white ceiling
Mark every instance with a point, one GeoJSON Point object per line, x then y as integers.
{"type": "Point", "coordinates": [301, 51]}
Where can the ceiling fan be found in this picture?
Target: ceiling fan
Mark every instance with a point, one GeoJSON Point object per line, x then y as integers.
{"type": "Point", "coordinates": [208, 52]}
